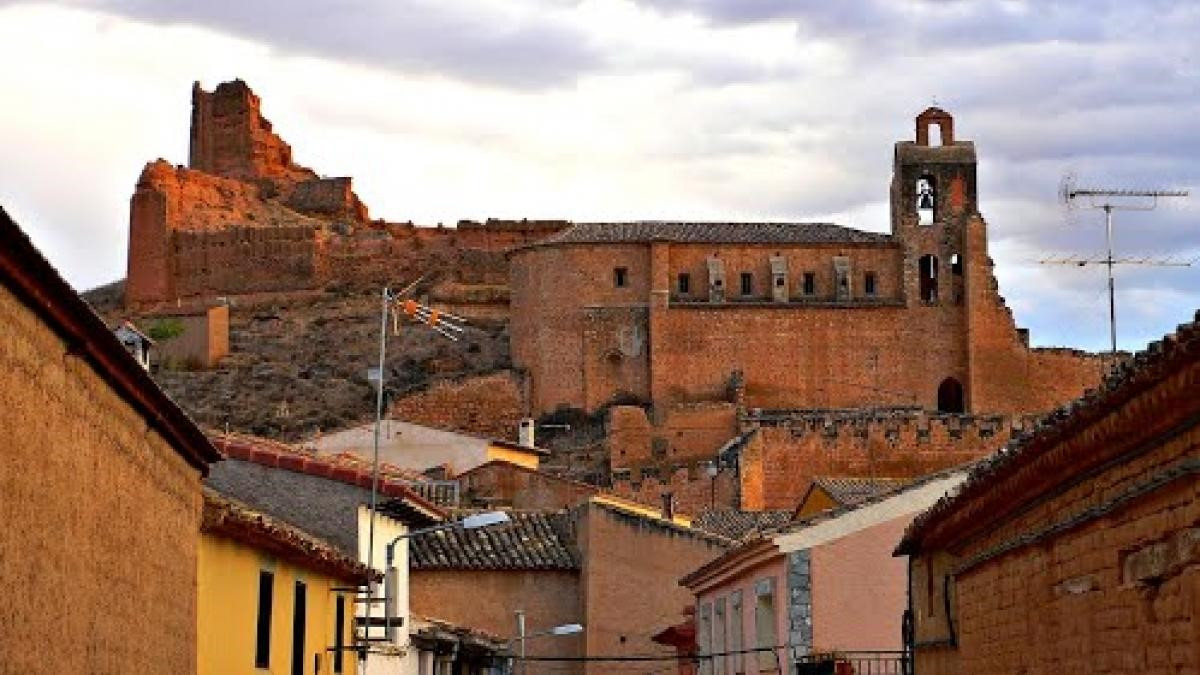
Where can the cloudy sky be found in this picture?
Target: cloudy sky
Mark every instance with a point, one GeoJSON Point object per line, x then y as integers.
{"type": "Point", "coordinates": [638, 109]}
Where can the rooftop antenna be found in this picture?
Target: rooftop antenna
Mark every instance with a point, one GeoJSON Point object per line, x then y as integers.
{"type": "Point", "coordinates": [1109, 200]}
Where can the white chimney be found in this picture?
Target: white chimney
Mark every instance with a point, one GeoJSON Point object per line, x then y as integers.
{"type": "Point", "coordinates": [525, 435]}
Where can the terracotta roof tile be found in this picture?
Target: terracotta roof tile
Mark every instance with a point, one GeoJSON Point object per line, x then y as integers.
{"type": "Point", "coordinates": [737, 525]}
{"type": "Point", "coordinates": [847, 490]}
{"type": "Point", "coordinates": [712, 233]}
{"type": "Point", "coordinates": [529, 541]}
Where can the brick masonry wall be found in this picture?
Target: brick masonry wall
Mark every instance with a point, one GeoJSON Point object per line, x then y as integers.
{"type": "Point", "coordinates": [100, 513]}
{"type": "Point", "coordinates": [488, 405]}
{"type": "Point", "coordinates": [504, 484]}
{"type": "Point", "coordinates": [1113, 594]}
{"type": "Point", "coordinates": [777, 467]}
{"type": "Point", "coordinates": [692, 488]}
{"type": "Point", "coordinates": [485, 600]}
{"type": "Point", "coordinates": [630, 577]}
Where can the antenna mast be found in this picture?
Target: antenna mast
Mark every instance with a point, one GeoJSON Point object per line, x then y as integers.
{"type": "Point", "coordinates": [1110, 200]}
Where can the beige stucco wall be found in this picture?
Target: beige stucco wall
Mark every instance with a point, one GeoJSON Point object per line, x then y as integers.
{"type": "Point", "coordinates": [100, 519]}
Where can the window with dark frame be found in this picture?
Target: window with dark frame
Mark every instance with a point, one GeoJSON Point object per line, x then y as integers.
{"type": "Point", "coordinates": [299, 626]}
{"type": "Point", "coordinates": [685, 283]}
{"type": "Point", "coordinates": [262, 643]}
{"type": "Point", "coordinates": [810, 283]}
{"type": "Point", "coordinates": [339, 627]}
{"type": "Point", "coordinates": [747, 283]}
{"type": "Point", "coordinates": [620, 275]}
{"type": "Point", "coordinates": [869, 284]}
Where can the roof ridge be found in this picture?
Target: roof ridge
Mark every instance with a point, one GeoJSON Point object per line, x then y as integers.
{"type": "Point", "coordinates": [279, 455]}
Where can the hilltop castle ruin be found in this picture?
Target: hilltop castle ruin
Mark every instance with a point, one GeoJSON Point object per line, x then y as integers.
{"type": "Point", "coordinates": [765, 352]}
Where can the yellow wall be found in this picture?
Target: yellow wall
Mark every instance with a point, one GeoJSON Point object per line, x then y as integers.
{"type": "Point", "coordinates": [227, 609]}
{"type": "Point", "coordinates": [529, 460]}
{"type": "Point", "coordinates": [816, 501]}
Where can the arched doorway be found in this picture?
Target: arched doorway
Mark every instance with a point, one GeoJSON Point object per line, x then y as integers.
{"type": "Point", "coordinates": [950, 396]}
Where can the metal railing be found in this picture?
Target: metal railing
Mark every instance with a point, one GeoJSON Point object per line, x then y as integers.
{"type": "Point", "coordinates": [854, 663]}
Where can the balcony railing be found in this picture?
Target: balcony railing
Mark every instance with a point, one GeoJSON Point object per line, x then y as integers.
{"type": "Point", "coordinates": [854, 663]}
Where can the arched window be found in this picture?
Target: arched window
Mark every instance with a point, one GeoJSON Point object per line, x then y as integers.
{"type": "Point", "coordinates": [950, 396]}
{"type": "Point", "coordinates": [927, 269]}
{"type": "Point", "coordinates": [926, 200]}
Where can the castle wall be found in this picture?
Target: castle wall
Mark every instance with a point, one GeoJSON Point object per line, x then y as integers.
{"type": "Point", "coordinates": [790, 450]}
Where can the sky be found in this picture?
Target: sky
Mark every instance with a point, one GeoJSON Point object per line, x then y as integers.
{"type": "Point", "coordinates": [444, 110]}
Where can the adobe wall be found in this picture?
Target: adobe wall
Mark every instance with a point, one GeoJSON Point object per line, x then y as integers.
{"type": "Point", "coordinates": [203, 342]}
{"type": "Point", "coordinates": [1114, 592]}
{"type": "Point", "coordinates": [487, 405]}
{"type": "Point", "coordinates": [777, 467]}
{"type": "Point", "coordinates": [101, 518]}
{"type": "Point", "coordinates": [485, 600]}
{"type": "Point", "coordinates": [630, 580]}
{"type": "Point", "coordinates": [689, 431]}
{"type": "Point", "coordinates": [503, 484]}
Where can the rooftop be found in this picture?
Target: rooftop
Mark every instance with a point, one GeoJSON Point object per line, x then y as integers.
{"type": "Point", "coordinates": [737, 525]}
{"type": "Point", "coordinates": [528, 541]}
{"type": "Point", "coordinates": [847, 490]}
{"type": "Point", "coordinates": [712, 233]}
{"type": "Point", "coordinates": [228, 518]}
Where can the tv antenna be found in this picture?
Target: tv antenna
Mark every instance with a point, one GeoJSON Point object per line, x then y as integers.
{"type": "Point", "coordinates": [1110, 200]}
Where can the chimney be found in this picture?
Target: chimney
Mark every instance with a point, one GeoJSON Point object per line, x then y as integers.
{"type": "Point", "coordinates": [668, 506]}
{"type": "Point", "coordinates": [525, 435]}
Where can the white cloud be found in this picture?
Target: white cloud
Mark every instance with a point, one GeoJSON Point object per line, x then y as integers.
{"type": "Point", "coordinates": [614, 109]}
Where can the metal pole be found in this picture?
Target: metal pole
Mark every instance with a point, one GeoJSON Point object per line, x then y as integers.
{"type": "Point", "coordinates": [375, 460]}
{"type": "Point", "coordinates": [521, 638]}
{"type": "Point", "coordinates": [1112, 302]}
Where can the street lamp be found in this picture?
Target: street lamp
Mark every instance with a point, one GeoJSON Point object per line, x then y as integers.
{"type": "Point", "coordinates": [391, 581]}
{"type": "Point", "coordinates": [522, 636]}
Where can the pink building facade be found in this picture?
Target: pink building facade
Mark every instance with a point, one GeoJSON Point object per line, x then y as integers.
{"type": "Point", "coordinates": [826, 584]}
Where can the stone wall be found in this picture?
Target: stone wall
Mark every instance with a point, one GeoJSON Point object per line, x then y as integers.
{"type": "Point", "coordinates": [101, 518]}
{"type": "Point", "coordinates": [487, 405]}
{"type": "Point", "coordinates": [505, 484]}
{"type": "Point", "coordinates": [1079, 553]}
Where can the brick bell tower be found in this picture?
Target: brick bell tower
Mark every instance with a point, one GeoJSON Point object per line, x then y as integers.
{"type": "Point", "coordinates": [933, 205]}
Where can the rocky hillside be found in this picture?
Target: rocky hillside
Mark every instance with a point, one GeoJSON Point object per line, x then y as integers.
{"type": "Point", "coordinates": [298, 363]}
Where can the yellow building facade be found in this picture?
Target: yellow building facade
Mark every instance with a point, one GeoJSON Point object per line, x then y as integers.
{"type": "Point", "coordinates": [271, 598]}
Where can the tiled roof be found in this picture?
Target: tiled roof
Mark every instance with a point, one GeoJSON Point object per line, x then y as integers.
{"type": "Point", "coordinates": [35, 282]}
{"type": "Point", "coordinates": [846, 490]}
{"type": "Point", "coordinates": [267, 452]}
{"type": "Point", "coordinates": [712, 233]}
{"type": "Point", "coordinates": [737, 525]}
{"type": "Point", "coordinates": [1131, 377]}
{"type": "Point", "coordinates": [231, 519]}
{"type": "Point", "coordinates": [529, 541]}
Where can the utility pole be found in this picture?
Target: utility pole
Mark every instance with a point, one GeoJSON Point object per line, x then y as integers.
{"type": "Point", "coordinates": [1110, 200]}
{"type": "Point", "coordinates": [450, 327]}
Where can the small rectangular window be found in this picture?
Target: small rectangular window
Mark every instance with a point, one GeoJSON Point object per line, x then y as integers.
{"type": "Point", "coordinates": [299, 626]}
{"type": "Point", "coordinates": [619, 277]}
{"type": "Point", "coordinates": [810, 283]}
{"type": "Point", "coordinates": [685, 283]}
{"type": "Point", "coordinates": [339, 635]}
{"type": "Point", "coordinates": [747, 283]}
{"type": "Point", "coordinates": [869, 284]}
{"type": "Point", "coordinates": [262, 643]}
